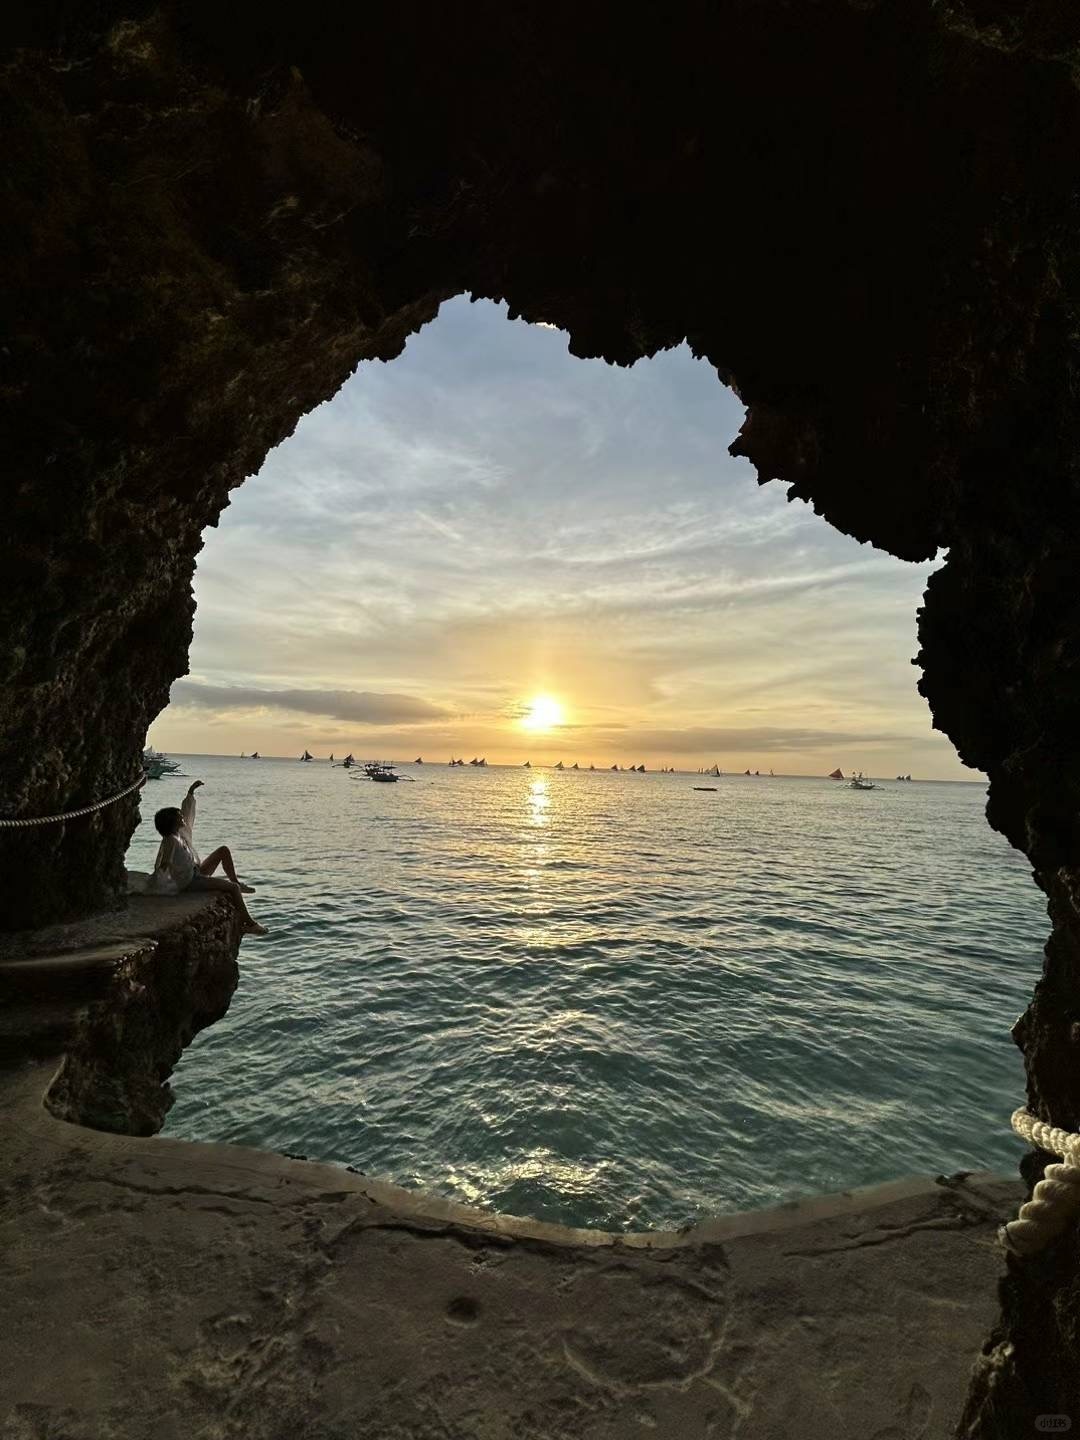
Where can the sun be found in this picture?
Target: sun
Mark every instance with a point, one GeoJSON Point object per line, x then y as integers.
{"type": "Point", "coordinates": [543, 713]}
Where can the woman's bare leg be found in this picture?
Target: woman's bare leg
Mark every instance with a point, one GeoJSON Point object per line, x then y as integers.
{"type": "Point", "coordinates": [230, 887]}
{"type": "Point", "coordinates": [223, 856]}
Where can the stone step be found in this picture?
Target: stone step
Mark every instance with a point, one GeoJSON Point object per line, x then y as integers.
{"type": "Point", "coordinates": [82, 972]}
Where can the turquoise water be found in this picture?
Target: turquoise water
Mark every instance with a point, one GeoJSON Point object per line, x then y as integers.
{"type": "Point", "coordinates": [610, 1000]}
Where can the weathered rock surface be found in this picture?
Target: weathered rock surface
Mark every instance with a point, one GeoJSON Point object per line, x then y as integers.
{"type": "Point", "coordinates": [117, 998]}
{"type": "Point", "coordinates": [159, 1289]}
{"type": "Point", "coordinates": [862, 212]}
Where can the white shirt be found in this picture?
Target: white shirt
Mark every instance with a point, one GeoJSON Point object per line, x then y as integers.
{"type": "Point", "coordinates": [177, 858]}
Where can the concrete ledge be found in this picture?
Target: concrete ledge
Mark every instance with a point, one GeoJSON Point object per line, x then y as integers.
{"type": "Point", "coordinates": [219, 1290]}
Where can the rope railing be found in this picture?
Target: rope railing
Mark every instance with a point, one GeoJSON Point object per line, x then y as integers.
{"type": "Point", "coordinates": [73, 814]}
{"type": "Point", "coordinates": [1056, 1198]}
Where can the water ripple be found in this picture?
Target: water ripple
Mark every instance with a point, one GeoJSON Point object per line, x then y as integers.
{"type": "Point", "coordinates": [605, 1002]}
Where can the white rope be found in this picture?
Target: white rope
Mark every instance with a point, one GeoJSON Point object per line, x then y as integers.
{"type": "Point", "coordinates": [73, 814]}
{"type": "Point", "coordinates": [1056, 1198]}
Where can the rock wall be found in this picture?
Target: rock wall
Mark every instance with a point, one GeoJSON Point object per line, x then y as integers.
{"type": "Point", "coordinates": [860, 211]}
{"type": "Point", "coordinates": [123, 1046]}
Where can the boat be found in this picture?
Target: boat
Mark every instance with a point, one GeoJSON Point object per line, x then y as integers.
{"type": "Point", "coordinates": [861, 782]}
{"type": "Point", "coordinates": [474, 761]}
{"type": "Point", "coordinates": [331, 757]}
{"type": "Point", "coordinates": [713, 770]}
{"type": "Point", "coordinates": [348, 762]}
{"type": "Point", "coordinates": [836, 774]}
{"type": "Point", "coordinates": [380, 770]}
{"type": "Point", "coordinates": [307, 755]}
{"type": "Point", "coordinates": [527, 766]}
{"type": "Point", "coordinates": [155, 764]}
{"type": "Point", "coordinates": [711, 788]}
{"type": "Point", "coordinates": [560, 766]}
{"type": "Point", "coordinates": [574, 766]}
{"type": "Point", "coordinates": [592, 767]}
{"type": "Point", "coordinates": [419, 760]}
{"type": "Point", "coordinates": [614, 767]}
{"type": "Point", "coordinates": [640, 769]}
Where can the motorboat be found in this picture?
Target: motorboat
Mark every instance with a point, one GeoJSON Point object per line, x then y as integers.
{"type": "Point", "coordinates": [380, 770]}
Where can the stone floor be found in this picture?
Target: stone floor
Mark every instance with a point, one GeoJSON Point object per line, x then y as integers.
{"type": "Point", "coordinates": [154, 1288]}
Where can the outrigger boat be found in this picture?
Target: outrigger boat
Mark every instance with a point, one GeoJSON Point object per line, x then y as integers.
{"type": "Point", "coordinates": [861, 782]}
{"type": "Point", "coordinates": [155, 764]}
{"type": "Point", "coordinates": [384, 772]}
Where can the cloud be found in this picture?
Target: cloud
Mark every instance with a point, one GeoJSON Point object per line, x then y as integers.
{"type": "Point", "coordinates": [364, 707]}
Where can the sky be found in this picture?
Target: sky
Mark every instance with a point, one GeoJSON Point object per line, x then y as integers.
{"type": "Point", "coordinates": [487, 520]}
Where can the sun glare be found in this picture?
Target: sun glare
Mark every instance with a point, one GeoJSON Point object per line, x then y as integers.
{"type": "Point", "coordinates": [544, 713]}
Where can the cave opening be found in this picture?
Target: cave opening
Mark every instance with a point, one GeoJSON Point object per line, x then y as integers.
{"type": "Point", "coordinates": [491, 992]}
{"type": "Point", "coordinates": [214, 218]}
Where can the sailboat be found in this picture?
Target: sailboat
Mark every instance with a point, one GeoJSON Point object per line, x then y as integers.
{"type": "Point", "coordinates": [715, 770]}
{"type": "Point", "coordinates": [559, 766]}
{"type": "Point", "coordinates": [527, 766]}
{"type": "Point", "coordinates": [574, 766]}
{"type": "Point", "coordinates": [331, 757]}
{"type": "Point", "coordinates": [836, 774]}
{"type": "Point", "coordinates": [419, 760]}
{"type": "Point", "coordinates": [307, 755]}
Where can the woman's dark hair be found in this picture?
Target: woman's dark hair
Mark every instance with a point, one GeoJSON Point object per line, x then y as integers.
{"type": "Point", "coordinates": [168, 821]}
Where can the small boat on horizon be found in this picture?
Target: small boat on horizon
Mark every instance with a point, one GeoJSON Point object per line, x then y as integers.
{"type": "Point", "coordinates": [419, 760]}
{"type": "Point", "coordinates": [307, 755]}
{"type": "Point", "coordinates": [836, 774]}
{"type": "Point", "coordinates": [861, 782]}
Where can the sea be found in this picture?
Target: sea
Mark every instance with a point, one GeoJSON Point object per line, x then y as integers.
{"type": "Point", "coordinates": [612, 1000]}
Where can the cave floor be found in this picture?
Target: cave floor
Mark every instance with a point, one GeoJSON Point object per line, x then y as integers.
{"type": "Point", "coordinates": [159, 1288]}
